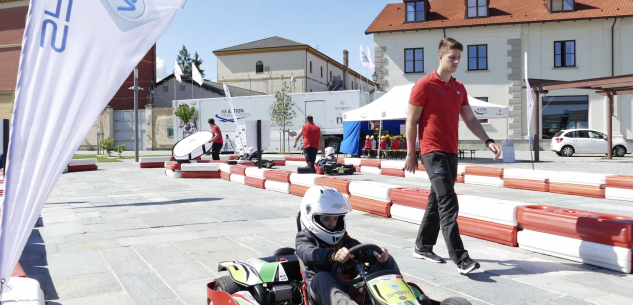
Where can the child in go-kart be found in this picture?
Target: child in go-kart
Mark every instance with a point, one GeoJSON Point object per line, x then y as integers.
{"type": "Point", "coordinates": [324, 241]}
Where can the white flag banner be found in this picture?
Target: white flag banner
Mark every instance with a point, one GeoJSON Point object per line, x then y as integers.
{"type": "Point", "coordinates": [67, 48]}
{"type": "Point", "coordinates": [177, 72]}
{"type": "Point", "coordinates": [237, 127]}
{"type": "Point", "coordinates": [197, 77]}
{"type": "Point", "coordinates": [363, 58]}
{"type": "Point", "coordinates": [372, 65]}
{"type": "Point", "coordinates": [530, 98]}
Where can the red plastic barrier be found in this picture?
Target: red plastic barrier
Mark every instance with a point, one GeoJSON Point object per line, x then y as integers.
{"type": "Point", "coordinates": [211, 161]}
{"type": "Point", "coordinates": [255, 182]}
{"type": "Point", "coordinates": [340, 160]}
{"type": "Point", "coordinates": [200, 174]}
{"type": "Point", "coordinates": [225, 176]}
{"type": "Point", "coordinates": [18, 271]}
{"type": "Point", "coordinates": [622, 182]}
{"type": "Point", "coordinates": [233, 157]}
{"type": "Point", "coordinates": [278, 175]}
{"type": "Point", "coordinates": [371, 206]}
{"type": "Point", "coordinates": [298, 190]}
{"type": "Point", "coordinates": [503, 234]}
{"type": "Point", "coordinates": [357, 168]}
{"type": "Point", "coordinates": [246, 162]}
{"type": "Point", "coordinates": [341, 184]}
{"type": "Point", "coordinates": [152, 164]}
{"type": "Point", "coordinates": [392, 172]}
{"type": "Point", "coordinates": [421, 166]}
{"type": "Point", "coordinates": [484, 171]}
{"type": "Point", "coordinates": [370, 162]}
{"type": "Point", "coordinates": [238, 170]}
{"type": "Point", "coordinates": [82, 168]}
{"type": "Point", "coordinates": [295, 158]}
{"type": "Point", "coordinates": [460, 179]}
{"type": "Point", "coordinates": [576, 189]}
{"type": "Point", "coordinates": [525, 184]}
{"type": "Point", "coordinates": [280, 162]}
{"type": "Point", "coordinates": [172, 165]}
{"type": "Point", "coordinates": [595, 227]}
{"type": "Point", "coordinates": [410, 196]}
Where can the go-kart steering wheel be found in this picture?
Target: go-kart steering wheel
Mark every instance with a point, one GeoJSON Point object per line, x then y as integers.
{"type": "Point", "coordinates": [337, 269]}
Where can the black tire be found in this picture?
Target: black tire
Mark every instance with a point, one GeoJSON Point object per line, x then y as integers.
{"type": "Point", "coordinates": [558, 153]}
{"type": "Point", "coordinates": [227, 285]}
{"type": "Point", "coordinates": [567, 151]}
{"type": "Point", "coordinates": [333, 142]}
{"type": "Point", "coordinates": [424, 300]}
{"type": "Point", "coordinates": [455, 301]}
{"type": "Point", "coordinates": [619, 151]}
{"type": "Point", "coordinates": [284, 251]}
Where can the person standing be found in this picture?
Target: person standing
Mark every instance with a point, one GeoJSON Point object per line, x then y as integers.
{"type": "Point", "coordinates": [435, 104]}
{"type": "Point", "coordinates": [216, 140]}
{"type": "Point", "coordinates": [312, 140]}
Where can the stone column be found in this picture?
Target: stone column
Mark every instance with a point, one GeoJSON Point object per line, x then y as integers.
{"type": "Point", "coordinates": [149, 127]}
{"type": "Point", "coordinates": [108, 122]}
{"type": "Point", "coordinates": [381, 67]}
{"type": "Point", "coordinates": [515, 89]}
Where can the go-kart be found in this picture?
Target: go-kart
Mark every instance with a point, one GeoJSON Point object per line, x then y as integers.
{"type": "Point", "coordinates": [279, 280]}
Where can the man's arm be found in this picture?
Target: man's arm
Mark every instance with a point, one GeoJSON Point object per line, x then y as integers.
{"type": "Point", "coordinates": [413, 115]}
{"type": "Point", "coordinates": [475, 127]}
{"type": "Point", "coordinates": [298, 137]}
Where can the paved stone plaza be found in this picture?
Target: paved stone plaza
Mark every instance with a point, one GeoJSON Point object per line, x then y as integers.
{"type": "Point", "coordinates": [125, 235]}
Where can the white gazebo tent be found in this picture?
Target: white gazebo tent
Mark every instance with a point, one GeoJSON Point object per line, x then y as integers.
{"type": "Point", "coordinates": [393, 106]}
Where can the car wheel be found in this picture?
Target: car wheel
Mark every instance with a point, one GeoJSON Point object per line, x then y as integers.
{"type": "Point", "coordinates": [567, 151]}
{"type": "Point", "coordinates": [619, 151]}
{"type": "Point", "coordinates": [558, 153]}
{"type": "Point", "coordinates": [227, 285]}
{"type": "Point", "coordinates": [333, 142]}
{"type": "Point", "coordinates": [284, 251]}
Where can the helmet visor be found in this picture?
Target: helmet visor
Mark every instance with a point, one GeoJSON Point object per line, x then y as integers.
{"type": "Point", "coordinates": [338, 228]}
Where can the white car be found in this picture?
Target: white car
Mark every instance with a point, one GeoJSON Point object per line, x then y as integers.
{"type": "Point", "coordinates": [586, 141]}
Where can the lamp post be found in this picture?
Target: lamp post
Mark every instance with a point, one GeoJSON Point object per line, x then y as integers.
{"type": "Point", "coordinates": [136, 89]}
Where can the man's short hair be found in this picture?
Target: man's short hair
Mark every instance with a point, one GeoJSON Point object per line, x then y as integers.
{"type": "Point", "coordinates": [211, 121]}
{"type": "Point", "coordinates": [448, 44]}
{"type": "Point", "coordinates": [309, 118]}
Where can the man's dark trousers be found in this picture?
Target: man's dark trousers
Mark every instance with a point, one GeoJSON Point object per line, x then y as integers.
{"type": "Point", "coordinates": [310, 153]}
{"type": "Point", "coordinates": [442, 208]}
{"type": "Point", "coordinates": [215, 150]}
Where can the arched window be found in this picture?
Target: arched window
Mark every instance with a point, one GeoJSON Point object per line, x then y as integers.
{"type": "Point", "coordinates": [310, 67]}
{"type": "Point", "coordinates": [321, 72]}
{"type": "Point", "coordinates": [259, 67]}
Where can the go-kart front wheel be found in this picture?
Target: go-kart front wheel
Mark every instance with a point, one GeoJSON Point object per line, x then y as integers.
{"type": "Point", "coordinates": [455, 301]}
{"type": "Point", "coordinates": [227, 285]}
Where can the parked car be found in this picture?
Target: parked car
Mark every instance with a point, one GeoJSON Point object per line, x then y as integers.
{"type": "Point", "coordinates": [586, 141]}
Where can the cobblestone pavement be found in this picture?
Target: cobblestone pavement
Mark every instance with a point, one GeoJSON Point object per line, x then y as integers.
{"type": "Point", "coordinates": [125, 235]}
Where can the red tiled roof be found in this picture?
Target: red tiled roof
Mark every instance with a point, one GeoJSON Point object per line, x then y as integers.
{"type": "Point", "coordinates": [451, 14]}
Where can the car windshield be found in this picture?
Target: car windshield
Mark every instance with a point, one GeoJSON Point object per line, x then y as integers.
{"type": "Point", "coordinates": [558, 134]}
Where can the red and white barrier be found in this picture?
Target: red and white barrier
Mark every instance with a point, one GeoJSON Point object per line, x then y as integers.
{"type": "Point", "coordinates": [461, 172]}
{"type": "Point", "coordinates": [371, 170]}
{"type": "Point", "coordinates": [489, 209]}
{"type": "Point", "coordinates": [605, 256]}
{"type": "Point", "coordinates": [373, 197]}
{"type": "Point", "coordinates": [341, 184]}
{"type": "Point", "coordinates": [304, 179]}
{"type": "Point", "coordinates": [153, 162]}
{"type": "Point", "coordinates": [238, 170]}
{"type": "Point", "coordinates": [172, 165]}
{"type": "Point", "coordinates": [222, 157]}
{"type": "Point", "coordinates": [255, 172]}
{"type": "Point", "coordinates": [575, 183]}
{"type": "Point", "coordinates": [277, 186]}
{"type": "Point", "coordinates": [495, 232]}
{"type": "Point", "coordinates": [225, 175]}
{"type": "Point", "coordinates": [407, 213]}
{"type": "Point", "coordinates": [481, 175]}
{"type": "Point", "coordinates": [352, 161]}
{"type": "Point", "coordinates": [292, 163]}
{"type": "Point", "coordinates": [225, 168]}
{"type": "Point", "coordinates": [241, 179]}
{"type": "Point", "coordinates": [295, 158]}
{"type": "Point", "coordinates": [298, 190]}
{"type": "Point", "coordinates": [173, 173]}
{"type": "Point", "coordinates": [526, 179]}
{"type": "Point", "coordinates": [278, 175]}
{"type": "Point", "coordinates": [81, 165]}
{"type": "Point", "coordinates": [619, 188]}
{"type": "Point", "coordinates": [369, 205]}
{"type": "Point", "coordinates": [200, 170]}
{"type": "Point", "coordinates": [370, 166]}
{"type": "Point", "coordinates": [255, 182]}
{"type": "Point", "coordinates": [393, 168]}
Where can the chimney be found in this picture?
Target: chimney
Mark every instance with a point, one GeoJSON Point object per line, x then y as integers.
{"type": "Point", "coordinates": [345, 58]}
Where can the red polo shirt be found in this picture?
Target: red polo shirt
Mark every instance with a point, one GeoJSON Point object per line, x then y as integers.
{"type": "Point", "coordinates": [311, 135]}
{"type": "Point", "coordinates": [216, 130]}
{"type": "Point", "coordinates": [439, 123]}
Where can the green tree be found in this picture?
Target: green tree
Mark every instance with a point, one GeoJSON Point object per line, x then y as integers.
{"type": "Point", "coordinates": [184, 61]}
{"type": "Point", "coordinates": [185, 114]}
{"type": "Point", "coordinates": [282, 110]}
{"type": "Point", "coordinates": [198, 62]}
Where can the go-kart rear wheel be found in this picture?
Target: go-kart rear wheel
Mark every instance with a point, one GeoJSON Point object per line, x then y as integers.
{"type": "Point", "coordinates": [455, 301]}
{"type": "Point", "coordinates": [227, 285]}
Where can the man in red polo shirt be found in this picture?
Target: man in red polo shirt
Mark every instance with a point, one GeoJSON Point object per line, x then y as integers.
{"type": "Point", "coordinates": [216, 140]}
{"type": "Point", "coordinates": [312, 139]}
{"type": "Point", "coordinates": [435, 104]}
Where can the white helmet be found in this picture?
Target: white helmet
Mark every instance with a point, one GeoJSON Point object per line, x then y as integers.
{"type": "Point", "coordinates": [329, 151]}
{"type": "Point", "coordinates": [324, 201]}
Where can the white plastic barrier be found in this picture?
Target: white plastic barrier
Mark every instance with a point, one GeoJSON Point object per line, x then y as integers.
{"type": "Point", "coordinates": [22, 291]}
{"type": "Point", "coordinates": [483, 180]}
{"type": "Point", "coordinates": [525, 174]}
{"type": "Point", "coordinates": [461, 169]}
{"type": "Point", "coordinates": [225, 168]}
{"type": "Point", "coordinates": [370, 170]}
{"type": "Point", "coordinates": [605, 256]}
{"type": "Point", "coordinates": [238, 178]}
{"type": "Point", "coordinates": [618, 193]}
{"type": "Point", "coordinates": [154, 159]}
{"type": "Point", "coordinates": [277, 186]}
{"type": "Point", "coordinates": [371, 190]}
{"type": "Point", "coordinates": [255, 172]}
{"type": "Point", "coordinates": [173, 174]}
{"type": "Point", "coordinates": [200, 167]}
{"type": "Point", "coordinates": [419, 174]}
{"type": "Point", "coordinates": [353, 161]}
{"type": "Point", "coordinates": [397, 164]}
{"type": "Point", "coordinates": [590, 179]}
{"type": "Point", "coordinates": [77, 162]}
{"type": "Point", "coordinates": [274, 157]}
{"type": "Point", "coordinates": [304, 179]}
{"type": "Point", "coordinates": [489, 209]}
{"type": "Point", "coordinates": [296, 163]}
{"type": "Point", "coordinates": [406, 213]}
